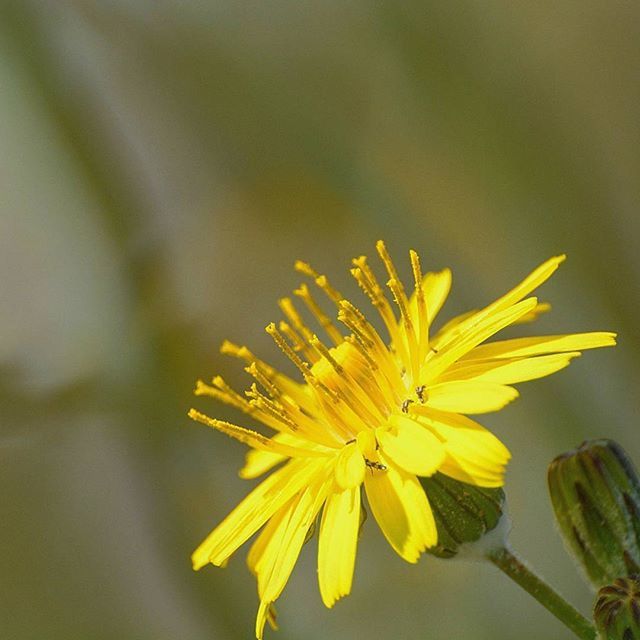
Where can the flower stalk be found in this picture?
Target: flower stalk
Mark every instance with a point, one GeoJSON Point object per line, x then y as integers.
{"type": "Point", "coordinates": [509, 563]}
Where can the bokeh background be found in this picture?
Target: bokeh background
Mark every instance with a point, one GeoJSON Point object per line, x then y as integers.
{"type": "Point", "coordinates": [162, 164]}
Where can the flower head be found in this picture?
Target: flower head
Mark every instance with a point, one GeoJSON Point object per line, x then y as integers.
{"type": "Point", "coordinates": [617, 609]}
{"type": "Point", "coordinates": [595, 493]}
{"type": "Point", "coordinates": [373, 411]}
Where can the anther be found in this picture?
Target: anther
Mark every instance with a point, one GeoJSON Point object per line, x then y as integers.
{"type": "Point", "coordinates": [405, 405]}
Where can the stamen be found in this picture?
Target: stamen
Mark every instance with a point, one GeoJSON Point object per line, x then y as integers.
{"type": "Point", "coordinates": [412, 343]}
{"type": "Point", "coordinates": [321, 280]}
{"type": "Point", "coordinates": [253, 438]}
{"type": "Point", "coordinates": [323, 319]}
{"type": "Point", "coordinates": [386, 259]}
{"type": "Point", "coordinates": [223, 394]}
{"type": "Point", "coordinates": [423, 316]}
{"type": "Point", "coordinates": [254, 370]}
{"type": "Point", "coordinates": [356, 322]}
{"type": "Point", "coordinates": [283, 382]}
{"type": "Point", "coordinates": [376, 385]}
{"type": "Point", "coordinates": [284, 346]}
{"type": "Point", "coordinates": [306, 269]}
{"type": "Point", "coordinates": [358, 344]}
{"type": "Point", "coordinates": [290, 311]}
{"type": "Point", "coordinates": [352, 393]}
{"type": "Point", "coordinates": [302, 366]}
{"type": "Point", "coordinates": [323, 283]}
{"type": "Point", "coordinates": [293, 337]}
{"type": "Point", "coordinates": [326, 354]}
{"type": "Point", "coordinates": [230, 349]}
{"type": "Point", "coordinates": [367, 281]}
{"type": "Point", "coordinates": [260, 401]}
{"type": "Point", "coordinates": [395, 284]}
{"type": "Point", "coordinates": [371, 344]}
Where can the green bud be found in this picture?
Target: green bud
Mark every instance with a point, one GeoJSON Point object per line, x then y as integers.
{"type": "Point", "coordinates": [617, 610]}
{"type": "Point", "coordinates": [463, 512]}
{"type": "Point", "coordinates": [595, 494]}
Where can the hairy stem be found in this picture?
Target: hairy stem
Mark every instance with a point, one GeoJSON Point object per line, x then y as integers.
{"type": "Point", "coordinates": [507, 561]}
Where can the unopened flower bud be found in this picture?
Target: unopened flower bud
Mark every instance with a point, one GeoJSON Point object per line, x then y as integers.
{"type": "Point", "coordinates": [595, 494]}
{"type": "Point", "coordinates": [617, 610]}
{"type": "Point", "coordinates": [464, 513]}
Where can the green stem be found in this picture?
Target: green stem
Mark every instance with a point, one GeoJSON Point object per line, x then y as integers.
{"type": "Point", "coordinates": [512, 566]}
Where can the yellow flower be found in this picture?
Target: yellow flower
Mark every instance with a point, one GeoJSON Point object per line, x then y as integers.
{"type": "Point", "coordinates": [373, 411]}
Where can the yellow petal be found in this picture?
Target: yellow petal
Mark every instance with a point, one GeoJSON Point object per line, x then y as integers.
{"type": "Point", "coordinates": [266, 537]}
{"type": "Point", "coordinates": [451, 328]}
{"type": "Point", "coordinates": [411, 446]}
{"type": "Point", "coordinates": [266, 613]}
{"type": "Point", "coordinates": [470, 396]}
{"type": "Point", "coordinates": [367, 443]}
{"type": "Point", "coordinates": [337, 544]}
{"type": "Point", "coordinates": [261, 618]}
{"type": "Point", "coordinates": [473, 336]}
{"type": "Point", "coordinates": [400, 506]}
{"type": "Point", "coordinates": [283, 548]}
{"type": "Point", "coordinates": [255, 510]}
{"type": "Point", "coordinates": [537, 277]}
{"type": "Point", "coordinates": [258, 461]}
{"type": "Point", "coordinates": [350, 467]}
{"type": "Point", "coordinates": [532, 316]}
{"type": "Point", "coordinates": [281, 558]}
{"type": "Point", "coordinates": [464, 322]}
{"type": "Point", "coordinates": [538, 345]}
{"type": "Point", "coordinates": [510, 371]}
{"type": "Point", "coordinates": [474, 455]}
{"type": "Point", "coordinates": [436, 287]}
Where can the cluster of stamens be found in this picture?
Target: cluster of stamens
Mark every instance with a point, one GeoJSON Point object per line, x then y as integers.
{"type": "Point", "coordinates": [353, 385]}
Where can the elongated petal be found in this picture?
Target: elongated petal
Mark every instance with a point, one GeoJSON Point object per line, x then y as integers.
{"type": "Point", "coordinates": [531, 282]}
{"type": "Point", "coordinates": [510, 370]}
{"type": "Point", "coordinates": [537, 277]}
{"type": "Point", "coordinates": [411, 446]}
{"type": "Point", "coordinates": [476, 334]}
{"type": "Point", "coordinates": [254, 511]}
{"type": "Point", "coordinates": [284, 547]}
{"type": "Point", "coordinates": [337, 544]}
{"type": "Point", "coordinates": [282, 550]}
{"type": "Point", "coordinates": [266, 537]}
{"type": "Point", "coordinates": [539, 345]}
{"type": "Point", "coordinates": [436, 287]}
{"type": "Point", "coordinates": [474, 455]}
{"type": "Point", "coordinates": [455, 326]}
{"type": "Point", "coordinates": [258, 461]}
{"type": "Point", "coordinates": [400, 506]}
{"type": "Point", "coordinates": [350, 467]}
{"type": "Point", "coordinates": [470, 396]}
{"type": "Point", "coordinates": [451, 328]}
{"type": "Point", "coordinates": [532, 316]}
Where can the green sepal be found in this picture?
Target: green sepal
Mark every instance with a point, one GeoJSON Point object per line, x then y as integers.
{"type": "Point", "coordinates": [463, 512]}
{"type": "Point", "coordinates": [595, 493]}
{"type": "Point", "coordinates": [617, 610]}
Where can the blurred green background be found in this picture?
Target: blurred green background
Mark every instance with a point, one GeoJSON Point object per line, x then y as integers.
{"type": "Point", "coordinates": [162, 164]}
